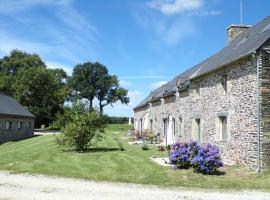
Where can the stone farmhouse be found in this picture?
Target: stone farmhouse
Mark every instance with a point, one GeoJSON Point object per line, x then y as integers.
{"type": "Point", "coordinates": [224, 100]}
{"type": "Point", "coordinates": [15, 121]}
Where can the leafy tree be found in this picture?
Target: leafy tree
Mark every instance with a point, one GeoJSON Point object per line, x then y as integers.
{"type": "Point", "coordinates": [26, 78]}
{"type": "Point", "coordinates": [80, 127]}
{"type": "Point", "coordinates": [109, 92]}
{"type": "Point", "coordinates": [40, 90]}
{"type": "Point", "coordinates": [9, 65]}
{"type": "Point", "coordinates": [19, 59]}
{"type": "Point", "coordinates": [83, 82]}
{"type": "Point", "coordinates": [90, 80]}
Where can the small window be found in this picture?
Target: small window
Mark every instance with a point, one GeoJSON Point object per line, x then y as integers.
{"type": "Point", "coordinates": [8, 125]}
{"type": "Point", "coordinates": [180, 126]}
{"type": "Point", "coordinates": [151, 125]}
{"type": "Point", "coordinates": [224, 83]}
{"type": "Point", "coordinates": [198, 90]}
{"type": "Point", "coordinates": [174, 127]}
{"type": "Point", "coordinates": [198, 123]}
{"type": "Point", "coordinates": [28, 124]}
{"type": "Point", "coordinates": [20, 124]}
{"type": "Point", "coordinates": [223, 128]}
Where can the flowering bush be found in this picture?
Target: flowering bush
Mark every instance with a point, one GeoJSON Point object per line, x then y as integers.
{"type": "Point", "coordinates": [208, 160]}
{"type": "Point", "coordinates": [182, 153]}
{"type": "Point", "coordinates": [204, 159]}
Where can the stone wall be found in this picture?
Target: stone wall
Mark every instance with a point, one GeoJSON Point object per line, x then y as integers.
{"type": "Point", "coordinates": [264, 72]}
{"type": "Point", "coordinates": [239, 104]}
{"type": "Point", "coordinates": [15, 133]}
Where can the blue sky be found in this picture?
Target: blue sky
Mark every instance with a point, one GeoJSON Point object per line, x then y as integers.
{"type": "Point", "coordinates": [144, 42]}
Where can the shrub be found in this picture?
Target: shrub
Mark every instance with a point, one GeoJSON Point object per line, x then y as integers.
{"type": "Point", "coordinates": [182, 153]}
{"type": "Point", "coordinates": [80, 128]}
{"type": "Point", "coordinates": [204, 159]}
{"type": "Point", "coordinates": [207, 160]}
{"type": "Point", "coordinates": [145, 145]}
{"type": "Point", "coordinates": [161, 148]}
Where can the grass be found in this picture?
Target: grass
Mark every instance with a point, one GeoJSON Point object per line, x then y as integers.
{"type": "Point", "coordinates": [106, 162]}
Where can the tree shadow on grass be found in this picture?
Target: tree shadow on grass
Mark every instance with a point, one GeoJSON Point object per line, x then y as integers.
{"type": "Point", "coordinates": [93, 150]}
{"type": "Point", "coordinates": [102, 149]}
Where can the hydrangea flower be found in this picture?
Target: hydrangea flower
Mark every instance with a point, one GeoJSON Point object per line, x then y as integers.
{"type": "Point", "coordinates": [204, 159]}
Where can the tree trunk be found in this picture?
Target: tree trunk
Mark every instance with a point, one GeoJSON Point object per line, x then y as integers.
{"type": "Point", "coordinates": [91, 104]}
{"type": "Point", "coordinates": [101, 107]}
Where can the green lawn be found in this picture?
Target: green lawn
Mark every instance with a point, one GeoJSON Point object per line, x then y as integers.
{"type": "Point", "coordinates": [107, 163]}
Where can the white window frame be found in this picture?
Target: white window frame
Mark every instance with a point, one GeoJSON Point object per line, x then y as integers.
{"type": "Point", "coordinates": [28, 124]}
{"type": "Point", "coordinates": [197, 129]}
{"type": "Point", "coordinates": [221, 135]}
{"type": "Point", "coordinates": [8, 125]}
{"type": "Point", "coordinates": [19, 124]}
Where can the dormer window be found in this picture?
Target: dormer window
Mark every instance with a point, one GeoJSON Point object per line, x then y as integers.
{"type": "Point", "coordinates": [197, 91]}
{"type": "Point", "coordinates": [223, 83]}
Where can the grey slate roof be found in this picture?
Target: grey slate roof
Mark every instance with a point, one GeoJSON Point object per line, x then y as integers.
{"type": "Point", "coordinates": [10, 107]}
{"type": "Point", "coordinates": [243, 45]}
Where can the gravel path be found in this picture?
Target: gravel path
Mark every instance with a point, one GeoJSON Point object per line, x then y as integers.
{"type": "Point", "coordinates": [29, 187]}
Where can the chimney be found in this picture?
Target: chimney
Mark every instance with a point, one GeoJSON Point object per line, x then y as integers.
{"type": "Point", "coordinates": [233, 30]}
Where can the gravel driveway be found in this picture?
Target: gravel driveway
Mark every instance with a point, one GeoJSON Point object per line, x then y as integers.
{"type": "Point", "coordinates": [26, 187]}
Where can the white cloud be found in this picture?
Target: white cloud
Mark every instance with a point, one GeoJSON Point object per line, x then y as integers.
{"type": "Point", "coordinates": [13, 6]}
{"type": "Point", "coordinates": [119, 109]}
{"type": "Point", "coordinates": [125, 83]}
{"type": "Point", "coordinates": [54, 65]}
{"type": "Point", "coordinates": [169, 7]}
{"type": "Point", "coordinates": [210, 13]}
{"type": "Point", "coordinates": [157, 84]}
{"type": "Point", "coordinates": [65, 41]}
{"type": "Point", "coordinates": [144, 77]}
{"type": "Point", "coordinates": [173, 30]}
{"type": "Point", "coordinates": [179, 31]}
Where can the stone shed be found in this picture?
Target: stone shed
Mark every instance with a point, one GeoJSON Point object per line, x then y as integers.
{"type": "Point", "coordinates": [16, 122]}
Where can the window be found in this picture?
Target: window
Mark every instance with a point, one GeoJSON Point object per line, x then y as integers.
{"type": "Point", "coordinates": [164, 127]}
{"type": "Point", "coordinates": [223, 128]}
{"type": "Point", "coordinates": [197, 91]}
{"type": "Point", "coordinates": [151, 125]}
{"type": "Point", "coordinates": [174, 127]}
{"type": "Point", "coordinates": [197, 129]}
{"type": "Point", "coordinates": [198, 123]}
{"type": "Point", "coordinates": [224, 83]}
{"type": "Point", "coordinates": [8, 125]}
{"type": "Point", "coordinates": [20, 124]}
{"type": "Point", "coordinates": [28, 124]}
{"type": "Point", "coordinates": [180, 127]}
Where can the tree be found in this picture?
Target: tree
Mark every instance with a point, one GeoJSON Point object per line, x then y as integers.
{"type": "Point", "coordinates": [81, 128]}
{"type": "Point", "coordinates": [42, 91]}
{"type": "Point", "coordinates": [83, 82]}
{"type": "Point", "coordinates": [109, 92]}
{"type": "Point", "coordinates": [90, 80]}
{"type": "Point", "coordinates": [9, 66]}
{"type": "Point", "coordinates": [26, 78]}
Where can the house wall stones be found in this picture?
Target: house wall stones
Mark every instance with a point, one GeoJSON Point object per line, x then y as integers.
{"type": "Point", "coordinates": [24, 130]}
{"type": "Point", "coordinates": [264, 94]}
{"type": "Point", "coordinates": [238, 104]}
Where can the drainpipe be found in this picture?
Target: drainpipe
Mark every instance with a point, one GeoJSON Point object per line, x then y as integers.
{"type": "Point", "coordinates": [258, 114]}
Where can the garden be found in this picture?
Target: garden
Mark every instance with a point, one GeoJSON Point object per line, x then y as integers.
{"type": "Point", "coordinates": [113, 159]}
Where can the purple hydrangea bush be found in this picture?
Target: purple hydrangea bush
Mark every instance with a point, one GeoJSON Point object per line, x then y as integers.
{"type": "Point", "coordinates": [181, 154]}
{"type": "Point", "coordinates": [208, 160]}
{"type": "Point", "coordinates": [204, 159]}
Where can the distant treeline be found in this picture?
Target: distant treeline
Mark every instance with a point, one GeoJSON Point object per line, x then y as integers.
{"type": "Point", "coordinates": [118, 120]}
